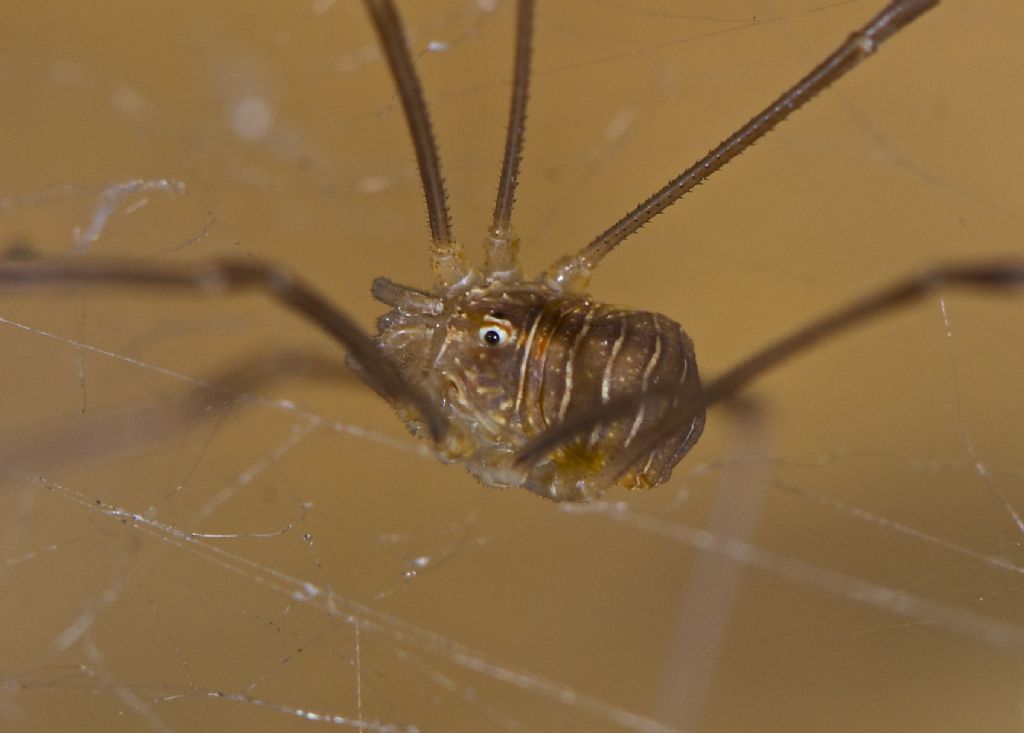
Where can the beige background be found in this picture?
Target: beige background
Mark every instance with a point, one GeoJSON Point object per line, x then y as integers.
{"type": "Point", "coordinates": [874, 581]}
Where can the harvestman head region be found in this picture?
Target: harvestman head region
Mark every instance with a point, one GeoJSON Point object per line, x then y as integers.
{"type": "Point", "coordinates": [306, 613]}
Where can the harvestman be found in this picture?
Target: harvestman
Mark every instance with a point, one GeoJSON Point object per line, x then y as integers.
{"type": "Point", "coordinates": [531, 382]}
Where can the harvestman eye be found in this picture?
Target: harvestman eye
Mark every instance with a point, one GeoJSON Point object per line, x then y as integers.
{"type": "Point", "coordinates": [494, 336]}
{"type": "Point", "coordinates": [588, 395]}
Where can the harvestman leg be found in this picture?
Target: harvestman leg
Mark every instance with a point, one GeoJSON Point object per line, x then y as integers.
{"type": "Point", "coordinates": [447, 256]}
{"type": "Point", "coordinates": [573, 272]}
{"type": "Point", "coordinates": [122, 430]}
{"type": "Point", "coordinates": [501, 250]}
{"type": "Point", "coordinates": [232, 276]}
{"type": "Point", "coordinates": [989, 276]}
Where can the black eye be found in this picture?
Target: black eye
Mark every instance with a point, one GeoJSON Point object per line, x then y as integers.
{"type": "Point", "coordinates": [494, 334]}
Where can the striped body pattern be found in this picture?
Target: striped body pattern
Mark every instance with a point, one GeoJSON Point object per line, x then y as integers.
{"type": "Point", "coordinates": [508, 360]}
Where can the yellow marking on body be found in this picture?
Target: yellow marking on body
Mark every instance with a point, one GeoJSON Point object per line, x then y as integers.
{"type": "Point", "coordinates": [580, 459]}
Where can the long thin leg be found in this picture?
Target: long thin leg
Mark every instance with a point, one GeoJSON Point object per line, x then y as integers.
{"type": "Point", "coordinates": [573, 272]}
{"type": "Point", "coordinates": [113, 432]}
{"type": "Point", "coordinates": [502, 247]}
{"type": "Point", "coordinates": [995, 276]}
{"type": "Point", "coordinates": [226, 276]}
{"type": "Point", "coordinates": [447, 257]}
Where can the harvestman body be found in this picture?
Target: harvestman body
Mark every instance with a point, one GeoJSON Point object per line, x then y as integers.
{"type": "Point", "coordinates": [513, 359]}
{"type": "Point", "coordinates": [531, 382]}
